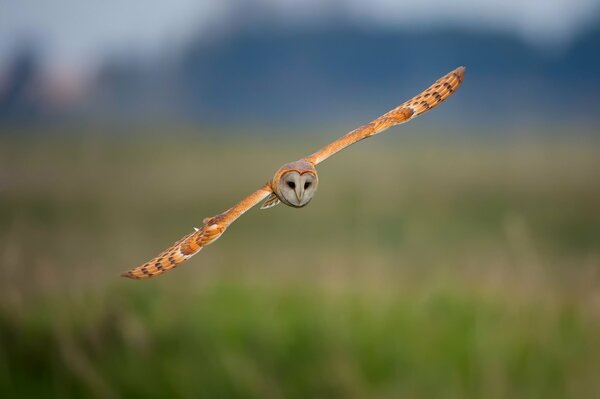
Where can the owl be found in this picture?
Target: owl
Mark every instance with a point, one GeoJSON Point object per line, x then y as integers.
{"type": "Point", "coordinates": [295, 183]}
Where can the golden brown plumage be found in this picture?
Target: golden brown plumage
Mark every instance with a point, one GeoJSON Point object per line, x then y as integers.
{"type": "Point", "coordinates": [434, 95]}
{"type": "Point", "coordinates": [193, 243]}
{"type": "Point", "coordinates": [284, 186]}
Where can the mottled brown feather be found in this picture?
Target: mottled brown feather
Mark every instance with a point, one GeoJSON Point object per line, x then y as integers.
{"type": "Point", "coordinates": [193, 243]}
{"type": "Point", "coordinates": [425, 101]}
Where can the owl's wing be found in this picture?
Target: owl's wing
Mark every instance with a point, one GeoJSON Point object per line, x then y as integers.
{"type": "Point", "coordinates": [435, 94]}
{"type": "Point", "coordinates": [192, 243]}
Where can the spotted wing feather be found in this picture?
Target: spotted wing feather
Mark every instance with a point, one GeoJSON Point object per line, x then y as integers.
{"type": "Point", "coordinates": [193, 243]}
{"type": "Point", "coordinates": [425, 101]}
{"type": "Point", "coordinates": [178, 253]}
{"type": "Point", "coordinates": [435, 94]}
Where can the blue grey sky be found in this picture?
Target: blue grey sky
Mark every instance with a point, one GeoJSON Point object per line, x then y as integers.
{"type": "Point", "coordinates": [79, 32]}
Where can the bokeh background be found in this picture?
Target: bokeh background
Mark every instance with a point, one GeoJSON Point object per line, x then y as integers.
{"type": "Point", "coordinates": [457, 256]}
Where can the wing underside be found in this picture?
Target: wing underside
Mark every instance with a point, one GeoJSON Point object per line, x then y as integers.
{"type": "Point", "coordinates": [194, 242]}
{"type": "Point", "coordinates": [418, 105]}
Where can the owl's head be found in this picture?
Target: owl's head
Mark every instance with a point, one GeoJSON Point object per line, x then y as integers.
{"type": "Point", "coordinates": [295, 183]}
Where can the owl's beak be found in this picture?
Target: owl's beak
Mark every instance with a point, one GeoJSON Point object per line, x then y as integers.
{"type": "Point", "coordinates": [299, 192]}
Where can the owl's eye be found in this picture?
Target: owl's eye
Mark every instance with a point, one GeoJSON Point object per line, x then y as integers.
{"type": "Point", "coordinates": [306, 185]}
{"type": "Point", "coordinates": [291, 184]}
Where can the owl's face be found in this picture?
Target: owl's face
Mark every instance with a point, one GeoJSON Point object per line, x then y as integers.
{"type": "Point", "coordinates": [297, 189]}
{"type": "Point", "coordinates": [296, 183]}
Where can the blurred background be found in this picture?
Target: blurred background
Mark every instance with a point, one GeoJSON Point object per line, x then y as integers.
{"type": "Point", "coordinates": [457, 256]}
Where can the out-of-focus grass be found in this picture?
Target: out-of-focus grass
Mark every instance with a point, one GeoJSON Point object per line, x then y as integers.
{"type": "Point", "coordinates": [424, 268]}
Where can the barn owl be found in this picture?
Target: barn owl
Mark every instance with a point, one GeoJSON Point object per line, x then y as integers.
{"type": "Point", "coordinates": [295, 183]}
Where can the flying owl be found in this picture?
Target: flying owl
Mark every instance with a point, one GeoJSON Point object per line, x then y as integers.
{"type": "Point", "coordinates": [295, 183]}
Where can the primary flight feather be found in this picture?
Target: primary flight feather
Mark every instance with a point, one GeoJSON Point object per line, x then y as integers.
{"type": "Point", "coordinates": [295, 183]}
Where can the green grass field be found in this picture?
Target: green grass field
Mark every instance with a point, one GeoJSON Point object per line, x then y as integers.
{"type": "Point", "coordinates": [426, 267]}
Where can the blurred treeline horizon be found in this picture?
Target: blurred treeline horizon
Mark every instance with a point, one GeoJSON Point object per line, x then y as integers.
{"type": "Point", "coordinates": [254, 68]}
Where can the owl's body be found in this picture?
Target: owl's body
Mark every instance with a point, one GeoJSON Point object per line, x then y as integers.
{"type": "Point", "coordinates": [295, 183]}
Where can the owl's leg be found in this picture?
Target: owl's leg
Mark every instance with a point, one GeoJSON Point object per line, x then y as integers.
{"type": "Point", "coordinates": [270, 202]}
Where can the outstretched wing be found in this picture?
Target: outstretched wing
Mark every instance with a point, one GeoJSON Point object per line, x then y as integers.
{"type": "Point", "coordinates": [428, 99]}
{"type": "Point", "coordinates": [191, 244]}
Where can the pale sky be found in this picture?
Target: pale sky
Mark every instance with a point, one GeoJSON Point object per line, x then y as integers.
{"type": "Point", "coordinates": [78, 32]}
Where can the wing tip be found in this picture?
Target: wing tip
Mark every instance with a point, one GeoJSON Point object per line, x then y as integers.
{"type": "Point", "coordinates": [460, 71]}
{"type": "Point", "coordinates": [129, 274]}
